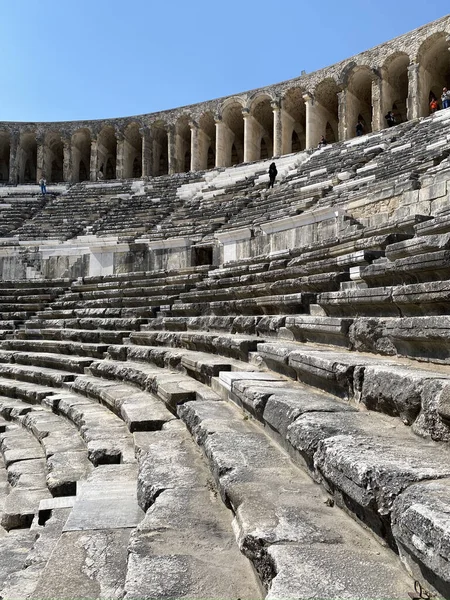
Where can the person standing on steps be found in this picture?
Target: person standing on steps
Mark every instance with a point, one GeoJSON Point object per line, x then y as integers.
{"type": "Point", "coordinates": [43, 184]}
{"type": "Point", "coordinates": [445, 98]}
{"type": "Point", "coordinates": [272, 175]}
{"type": "Point", "coordinates": [359, 128]}
{"type": "Point", "coordinates": [390, 119]}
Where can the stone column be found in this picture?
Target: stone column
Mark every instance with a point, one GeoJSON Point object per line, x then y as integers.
{"type": "Point", "coordinates": [314, 126]}
{"type": "Point", "coordinates": [147, 152]}
{"type": "Point", "coordinates": [343, 114]}
{"type": "Point", "coordinates": [67, 160]}
{"type": "Point", "coordinates": [40, 161]}
{"type": "Point", "coordinates": [120, 152]}
{"type": "Point", "coordinates": [221, 143]}
{"type": "Point", "coordinates": [195, 147]}
{"type": "Point", "coordinates": [171, 149]}
{"type": "Point", "coordinates": [94, 158]}
{"type": "Point", "coordinates": [277, 128]}
{"type": "Point", "coordinates": [377, 102]}
{"type": "Point", "coordinates": [414, 104]}
{"type": "Point", "coordinates": [14, 157]}
{"type": "Point", "coordinates": [251, 147]}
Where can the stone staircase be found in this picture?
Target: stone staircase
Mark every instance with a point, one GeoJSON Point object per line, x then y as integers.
{"type": "Point", "coordinates": [300, 397]}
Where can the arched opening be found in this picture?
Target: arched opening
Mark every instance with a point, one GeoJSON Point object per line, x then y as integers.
{"type": "Point", "coordinates": [4, 156]}
{"type": "Point", "coordinates": [211, 162]}
{"type": "Point", "coordinates": [359, 100]}
{"type": "Point", "coordinates": [330, 135]}
{"type": "Point", "coordinates": [81, 155]}
{"type": "Point", "coordinates": [132, 152]}
{"type": "Point", "coordinates": [83, 174]}
{"type": "Point", "coordinates": [293, 121]}
{"type": "Point", "coordinates": [296, 145]}
{"type": "Point", "coordinates": [160, 149]}
{"type": "Point", "coordinates": [206, 142]}
{"type": "Point", "coordinates": [434, 71]}
{"type": "Point", "coordinates": [326, 112]}
{"type": "Point", "coordinates": [233, 133]}
{"type": "Point", "coordinates": [107, 153]}
{"type": "Point", "coordinates": [27, 158]}
{"type": "Point", "coordinates": [264, 153]}
{"type": "Point", "coordinates": [183, 145]}
{"type": "Point", "coordinates": [261, 129]}
{"type": "Point", "coordinates": [395, 86]}
{"type": "Point", "coordinates": [53, 158]}
{"type": "Point", "coordinates": [137, 168]}
{"type": "Point", "coordinates": [234, 155]}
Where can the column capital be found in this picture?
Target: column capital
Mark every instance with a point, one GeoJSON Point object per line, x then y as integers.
{"type": "Point", "coordinates": [193, 124]}
{"type": "Point", "coordinates": [245, 112]}
{"type": "Point", "coordinates": [414, 68]}
{"type": "Point", "coordinates": [120, 136]}
{"type": "Point", "coordinates": [276, 104]}
{"type": "Point", "coordinates": [308, 97]}
{"type": "Point", "coordinates": [40, 137]}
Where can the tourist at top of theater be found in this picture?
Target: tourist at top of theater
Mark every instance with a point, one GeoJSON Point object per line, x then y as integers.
{"type": "Point", "coordinates": [434, 104]}
{"type": "Point", "coordinates": [445, 98]}
{"type": "Point", "coordinates": [323, 142]}
{"type": "Point", "coordinates": [390, 118]}
{"type": "Point", "coordinates": [43, 184]}
{"type": "Point", "coordinates": [359, 128]}
{"type": "Point", "coordinates": [272, 175]}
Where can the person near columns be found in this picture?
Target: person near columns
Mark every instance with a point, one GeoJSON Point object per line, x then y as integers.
{"type": "Point", "coordinates": [272, 175]}
{"type": "Point", "coordinates": [445, 98]}
{"type": "Point", "coordinates": [390, 119]}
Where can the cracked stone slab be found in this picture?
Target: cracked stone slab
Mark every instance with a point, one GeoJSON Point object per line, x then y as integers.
{"type": "Point", "coordinates": [85, 564]}
{"type": "Point", "coordinates": [313, 571]}
{"type": "Point", "coordinates": [421, 527]}
{"type": "Point", "coordinates": [107, 500]}
{"type": "Point", "coordinates": [168, 560]}
{"type": "Point", "coordinates": [174, 448]}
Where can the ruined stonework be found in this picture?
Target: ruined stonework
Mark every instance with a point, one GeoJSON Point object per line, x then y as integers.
{"type": "Point", "coordinates": [398, 75]}
{"type": "Point", "coordinates": [213, 389]}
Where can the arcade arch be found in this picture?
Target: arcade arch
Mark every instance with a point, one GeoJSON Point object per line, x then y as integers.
{"type": "Point", "coordinates": [183, 145]}
{"type": "Point", "coordinates": [160, 149]}
{"type": "Point", "coordinates": [326, 111]}
{"type": "Point", "coordinates": [53, 165]}
{"type": "Point", "coordinates": [206, 147]}
{"type": "Point", "coordinates": [231, 129]}
{"type": "Point", "coordinates": [132, 152]}
{"type": "Point", "coordinates": [107, 152]}
{"type": "Point", "coordinates": [259, 129]}
{"type": "Point", "coordinates": [359, 100]}
{"type": "Point", "coordinates": [27, 158]}
{"type": "Point", "coordinates": [395, 86]}
{"type": "Point", "coordinates": [434, 70]}
{"type": "Point", "coordinates": [293, 121]}
{"type": "Point", "coordinates": [81, 154]}
{"type": "Point", "coordinates": [4, 156]}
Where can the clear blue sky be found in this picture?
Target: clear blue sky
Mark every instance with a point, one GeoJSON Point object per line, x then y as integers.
{"type": "Point", "coordinates": [92, 59]}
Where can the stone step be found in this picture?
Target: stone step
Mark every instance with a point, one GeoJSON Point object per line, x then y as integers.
{"type": "Point", "coordinates": [243, 461]}
{"type": "Point", "coordinates": [234, 346]}
{"type": "Point", "coordinates": [140, 410]}
{"type": "Point", "coordinates": [82, 336]}
{"type": "Point", "coordinates": [90, 555]}
{"type": "Point", "coordinates": [106, 435]}
{"type": "Point", "coordinates": [61, 362]}
{"type": "Point", "coordinates": [55, 347]}
{"type": "Point", "coordinates": [182, 500]}
{"type": "Point", "coordinates": [416, 396]}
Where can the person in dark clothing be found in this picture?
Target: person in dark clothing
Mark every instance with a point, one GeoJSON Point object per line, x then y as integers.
{"type": "Point", "coordinates": [390, 119]}
{"type": "Point", "coordinates": [359, 128]}
{"type": "Point", "coordinates": [272, 175]}
{"type": "Point", "coordinates": [323, 142]}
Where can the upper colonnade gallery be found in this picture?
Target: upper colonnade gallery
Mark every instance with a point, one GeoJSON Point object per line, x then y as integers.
{"type": "Point", "coordinates": [400, 76]}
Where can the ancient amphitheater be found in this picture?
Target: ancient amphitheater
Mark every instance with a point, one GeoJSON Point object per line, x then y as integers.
{"type": "Point", "coordinates": [213, 390]}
